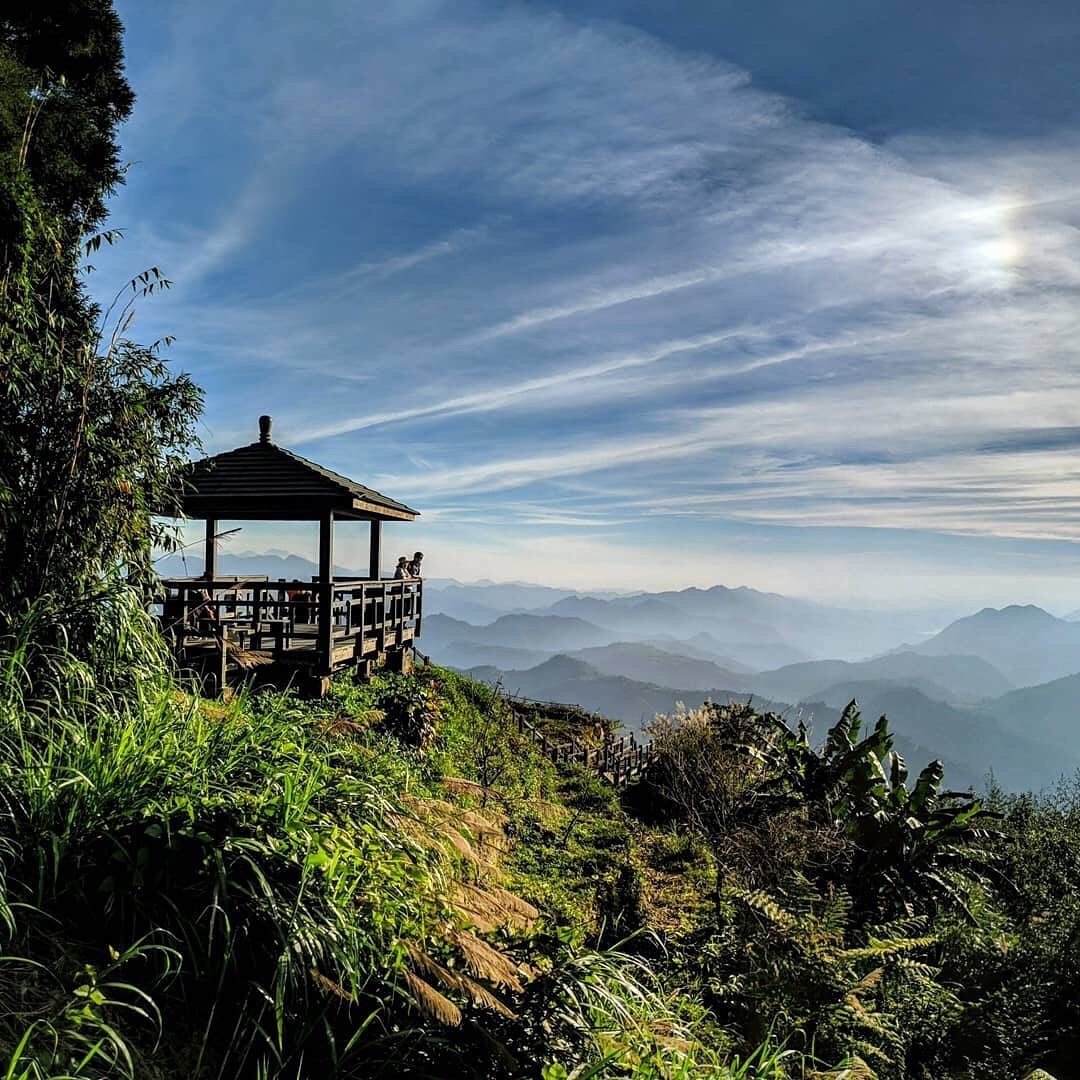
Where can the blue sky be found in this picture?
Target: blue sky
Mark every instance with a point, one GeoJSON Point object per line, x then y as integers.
{"type": "Point", "coordinates": [636, 294]}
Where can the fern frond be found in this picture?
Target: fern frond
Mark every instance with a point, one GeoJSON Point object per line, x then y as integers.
{"type": "Point", "coordinates": [868, 982]}
{"type": "Point", "coordinates": [877, 950]}
{"type": "Point", "coordinates": [763, 903]}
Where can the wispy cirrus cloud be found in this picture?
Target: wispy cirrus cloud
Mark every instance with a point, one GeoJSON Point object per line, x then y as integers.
{"type": "Point", "coordinates": [499, 258]}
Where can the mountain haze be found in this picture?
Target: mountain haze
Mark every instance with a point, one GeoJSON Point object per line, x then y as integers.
{"type": "Point", "coordinates": [644, 662]}
{"type": "Point", "coordinates": [552, 633]}
{"type": "Point", "coordinates": [769, 628]}
{"type": "Point", "coordinates": [1049, 712]}
{"type": "Point", "coordinates": [954, 679]}
{"type": "Point", "coordinates": [973, 738]}
{"type": "Point", "coordinates": [953, 695]}
{"type": "Point", "coordinates": [1025, 643]}
{"type": "Point", "coordinates": [633, 702]}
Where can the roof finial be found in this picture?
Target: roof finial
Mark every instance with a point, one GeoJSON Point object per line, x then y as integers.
{"type": "Point", "coordinates": [264, 428]}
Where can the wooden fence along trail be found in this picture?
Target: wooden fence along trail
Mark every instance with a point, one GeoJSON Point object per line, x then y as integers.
{"type": "Point", "coordinates": [618, 761]}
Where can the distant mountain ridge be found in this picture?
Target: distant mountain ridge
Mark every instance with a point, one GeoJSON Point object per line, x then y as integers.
{"type": "Point", "coordinates": [1025, 643]}
{"type": "Point", "coordinates": [633, 702]}
{"type": "Point", "coordinates": [952, 695]}
{"type": "Point", "coordinates": [973, 737]}
{"type": "Point", "coordinates": [959, 679]}
{"type": "Point", "coordinates": [554, 633]}
{"type": "Point", "coordinates": [756, 628]}
{"type": "Point", "coordinates": [997, 690]}
{"type": "Point", "coordinates": [647, 663]}
{"type": "Point", "coordinates": [1049, 712]}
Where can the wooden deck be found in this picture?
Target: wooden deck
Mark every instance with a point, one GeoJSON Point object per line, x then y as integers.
{"type": "Point", "coordinates": [314, 628]}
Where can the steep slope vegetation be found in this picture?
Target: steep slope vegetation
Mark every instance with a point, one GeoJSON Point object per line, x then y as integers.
{"type": "Point", "coordinates": [274, 889]}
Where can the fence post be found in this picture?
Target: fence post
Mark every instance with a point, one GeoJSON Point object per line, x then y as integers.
{"type": "Point", "coordinates": [223, 669]}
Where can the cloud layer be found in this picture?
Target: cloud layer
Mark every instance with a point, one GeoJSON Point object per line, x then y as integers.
{"type": "Point", "coordinates": [548, 273]}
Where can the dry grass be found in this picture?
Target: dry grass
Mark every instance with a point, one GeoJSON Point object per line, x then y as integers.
{"type": "Point", "coordinates": [676, 890]}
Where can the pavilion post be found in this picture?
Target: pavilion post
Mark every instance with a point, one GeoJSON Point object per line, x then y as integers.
{"type": "Point", "coordinates": [374, 563]}
{"type": "Point", "coordinates": [210, 562]}
{"type": "Point", "coordinates": [326, 591]}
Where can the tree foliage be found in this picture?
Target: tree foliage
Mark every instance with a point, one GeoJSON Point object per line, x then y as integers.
{"type": "Point", "coordinates": [64, 59]}
{"type": "Point", "coordinates": [93, 426]}
{"type": "Point", "coordinates": [844, 811]}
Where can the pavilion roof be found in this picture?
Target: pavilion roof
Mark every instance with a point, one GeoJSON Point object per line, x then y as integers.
{"type": "Point", "coordinates": [264, 481]}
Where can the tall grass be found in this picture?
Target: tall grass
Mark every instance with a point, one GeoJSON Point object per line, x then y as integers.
{"type": "Point", "coordinates": [605, 1014]}
{"type": "Point", "coordinates": [239, 867]}
{"type": "Point", "coordinates": [278, 890]}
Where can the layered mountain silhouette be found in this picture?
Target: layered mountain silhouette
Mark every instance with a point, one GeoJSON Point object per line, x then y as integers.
{"type": "Point", "coordinates": [997, 691]}
{"type": "Point", "coordinates": [952, 695]}
{"type": "Point", "coordinates": [975, 742]}
{"type": "Point", "coordinates": [553, 633]}
{"type": "Point", "coordinates": [954, 679]}
{"type": "Point", "coordinates": [647, 663]}
{"type": "Point", "coordinates": [633, 702]}
{"type": "Point", "coordinates": [1049, 712]}
{"type": "Point", "coordinates": [974, 738]}
{"type": "Point", "coordinates": [755, 628]}
{"type": "Point", "coordinates": [1026, 644]}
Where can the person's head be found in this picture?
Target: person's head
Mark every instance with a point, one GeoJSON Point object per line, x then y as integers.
{"type": "Point", "coordinates": [403, 560]}
{"type": "Point", "coordinates": [417, 556]}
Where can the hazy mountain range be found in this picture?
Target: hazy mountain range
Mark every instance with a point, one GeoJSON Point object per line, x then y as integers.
{"type": "Point", "coordinates": [974, 694]}
{"type": "Point", "coordinates": [997, 691]}
{"type": "Point", "coordinates": [1028, 645]}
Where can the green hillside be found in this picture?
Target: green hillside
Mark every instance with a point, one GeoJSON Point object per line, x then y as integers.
{"type": "Point", "coordinates": [397, 881]}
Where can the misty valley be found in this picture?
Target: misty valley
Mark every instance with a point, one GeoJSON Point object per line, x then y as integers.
{"type": "Point", "coordinates": [995, 695]}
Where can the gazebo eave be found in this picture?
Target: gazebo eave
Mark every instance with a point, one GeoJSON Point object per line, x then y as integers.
{"type": "Point", "coordinates": [288, 508]}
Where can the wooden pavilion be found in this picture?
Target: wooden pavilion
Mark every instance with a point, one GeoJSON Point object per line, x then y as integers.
{"type": "Point", "coordinates": [311, 628]}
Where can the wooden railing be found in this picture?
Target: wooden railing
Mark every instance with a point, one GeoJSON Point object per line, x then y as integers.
{"type": "Point", "coordinates": [334, 624]}
{"type": "Point", "coordinates": [619, 761]}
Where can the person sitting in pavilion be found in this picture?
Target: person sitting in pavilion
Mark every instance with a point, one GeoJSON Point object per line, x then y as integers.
{"type": "Point", "coordinates": [301, 601]}
{"type": "Point", "coordinates": [414, 566]}
{"type": "Point", "coordinates": [203, 613]}
{"type": "Point", "coordinates": [401, 571]}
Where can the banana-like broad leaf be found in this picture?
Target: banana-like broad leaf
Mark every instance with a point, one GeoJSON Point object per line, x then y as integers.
{"type": "Point", "coordinates": [898, 775]}
{"type": "Point", "coordinates": [927, 787]}
{"type": "Point", "coordinates": [842, 735]}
